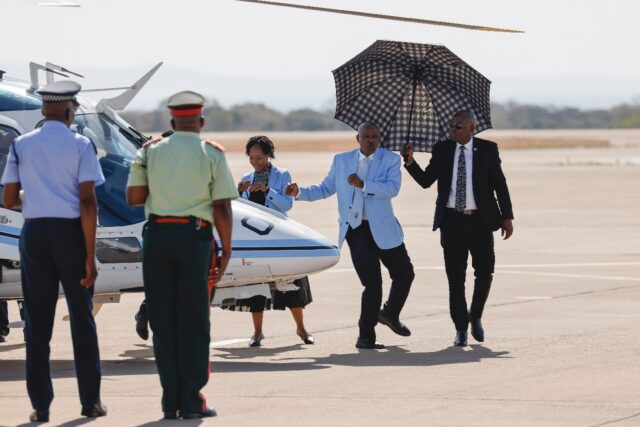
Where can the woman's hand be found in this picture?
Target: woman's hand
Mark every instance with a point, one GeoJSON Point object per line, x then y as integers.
{"type": "Point", "coordinates": [259, 187]}
{"type": "Point", "coordinates": [244, 186]}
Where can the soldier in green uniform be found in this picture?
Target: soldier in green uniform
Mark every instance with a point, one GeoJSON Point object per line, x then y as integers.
{"type": "Point", "coordinates": [186, 187]}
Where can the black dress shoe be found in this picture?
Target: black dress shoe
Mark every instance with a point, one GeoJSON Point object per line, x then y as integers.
{"type": "Point", "coordinates": [477, 332]}
{"type": "Point", "coordinates": [39, 417]}
{"type": "Point", "coordinates": [171, 415]}
{"type": "Point", "coordinates": [369, 344]}
{"type": "Point", "coordinates": [394, 324]}
{"type": "Point", "coordinates": [205, 413]}
{"type": "Point", "coordinates": [460, 339]}
{"type": "Point", "coordinates": [308, 340]}
{"type": "Point", "coordinates": [97, 410]}
{"type": "Point", "coordinates": [142, 324]}
{"type": "Point", "coordinates": [256, 342]}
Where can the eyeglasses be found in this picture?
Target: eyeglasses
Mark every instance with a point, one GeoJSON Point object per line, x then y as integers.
{"type": "Point", "coordinates": [458, 125]}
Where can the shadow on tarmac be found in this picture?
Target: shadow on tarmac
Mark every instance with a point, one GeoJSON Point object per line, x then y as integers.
{"type": "Point", "coordinates": [72, 423]}
{"type": "Point", "coordinates": [14, 370]}
{"type": "Point", "coordinates": [10, 347]}
{"type": "Point", "coordinates": [235, 360]}
{"type": "Point", "coordinates": [252, 352]}
{"type": "Point", "coordinates": [159, 423]}
{"type": "Point", "coordinates": [144, 351]}
{"type": "Point", "coordinates": [391, 356]}
{"type": "Point", "coordinates": [180, 422]}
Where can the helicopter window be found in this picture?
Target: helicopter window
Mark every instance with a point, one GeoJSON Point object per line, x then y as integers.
{"type": "Point", "coordinates": [115, 154]}
{"type": "Point", "coordinates": [15, 99]}
{"type": "Point", "coordinates": [7, 135]}
{"type": "Point", "coordinates": [118, 250]}
{"type": "Point", "coordinates": [105, 135]}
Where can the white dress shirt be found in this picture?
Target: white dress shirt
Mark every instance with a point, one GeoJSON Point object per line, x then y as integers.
{"type": "Point", "coordinates": [363, 170]}
{"type": "Point", "coordinates": [468, 157]}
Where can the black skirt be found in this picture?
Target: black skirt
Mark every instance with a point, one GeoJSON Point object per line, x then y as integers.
{"type": "Point", "coordinates": [279, 300]}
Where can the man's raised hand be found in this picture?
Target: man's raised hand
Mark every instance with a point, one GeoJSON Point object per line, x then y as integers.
{"type": "Point", "coordinates": [292, 190]}
{"type": "Point", "coordinates": [407, 153]}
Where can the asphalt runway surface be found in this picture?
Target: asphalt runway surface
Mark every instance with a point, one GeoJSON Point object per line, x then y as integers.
{"type": "Point", "coordinates": [561, 323]}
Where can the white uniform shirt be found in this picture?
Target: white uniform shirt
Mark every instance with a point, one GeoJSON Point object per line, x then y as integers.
{"type": "Point", "coordinates": [468, 157]}
{"type": "Point", "coordinates": [51, 163]}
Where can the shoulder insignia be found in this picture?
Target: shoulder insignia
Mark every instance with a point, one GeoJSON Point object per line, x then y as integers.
{"type": "Point", "coordinates": [215, 145]}
{"type": "Point", "coordinates": [151, 142]}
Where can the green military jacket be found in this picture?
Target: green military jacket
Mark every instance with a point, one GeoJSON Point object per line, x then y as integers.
{"type": "Point", "coordinates": [184, 175]}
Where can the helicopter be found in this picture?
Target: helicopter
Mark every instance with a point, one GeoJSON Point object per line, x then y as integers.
{"type": "Point", "coordinates": [263, 241]}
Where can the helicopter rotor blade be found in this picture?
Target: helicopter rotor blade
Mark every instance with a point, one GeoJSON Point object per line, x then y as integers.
{"type": "Point", "coordinates": [387, 17]}
{"type": "Point", "coordinates": [55, 3]}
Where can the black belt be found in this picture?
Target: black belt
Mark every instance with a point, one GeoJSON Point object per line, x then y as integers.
{"type": "Point", "coordinates": [52, 219]}
{"type": "Point", "coordinates": [464, 212]}
{"type": "Point", "coordinates": [190, 220]}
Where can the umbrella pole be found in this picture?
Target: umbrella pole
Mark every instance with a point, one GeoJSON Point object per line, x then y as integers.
{"type": "Point", "coordinates": [413, 98]}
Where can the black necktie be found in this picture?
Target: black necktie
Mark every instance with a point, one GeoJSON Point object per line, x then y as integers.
{"type": "Point", "coordinates": [461, 182]}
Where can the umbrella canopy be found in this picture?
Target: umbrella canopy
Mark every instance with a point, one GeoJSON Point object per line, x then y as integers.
{"type": "Point", "coordinates": [410, 91]}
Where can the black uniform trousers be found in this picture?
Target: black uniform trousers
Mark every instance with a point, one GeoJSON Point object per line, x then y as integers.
{"type": "Point", "coordinates": [460, 235]}
{"type": "Point", "coordinates": [176, 262]}
{"type": "Point", "coordinates": [52, 251]}
{"type": "Point", "coordinates": [4, 317]}
{"type": "Point", "coordinates": [366, 257]}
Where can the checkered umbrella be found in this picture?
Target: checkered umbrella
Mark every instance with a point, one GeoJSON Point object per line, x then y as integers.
{"type": "Point", "coordinates": [411, 91]}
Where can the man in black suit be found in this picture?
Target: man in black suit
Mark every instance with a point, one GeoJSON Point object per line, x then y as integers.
{"type": "Point", "coordinates": [469, 178]}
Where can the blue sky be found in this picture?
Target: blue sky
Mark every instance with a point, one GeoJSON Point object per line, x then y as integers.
{"type": "Point", "coordinates": [580, 53]}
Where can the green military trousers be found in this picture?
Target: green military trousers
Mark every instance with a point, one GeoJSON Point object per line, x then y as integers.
{"type": "Point", "coordinates": [176, 262]}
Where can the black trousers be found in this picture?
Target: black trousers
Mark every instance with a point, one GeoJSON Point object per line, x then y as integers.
{"type": "Point", "coordinates": [460, 235]}
{"type": "Point", "coordinates": [175, 266]}
{"type": "Point", "coordinates": [366, 257]}
{"type": "Point", "coordinates": [4, 318]}
{"type": "Point", "coordinates": [52, 251]}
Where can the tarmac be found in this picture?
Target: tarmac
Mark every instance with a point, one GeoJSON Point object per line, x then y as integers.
{"type": "Point", "coordinates": [561, 322]}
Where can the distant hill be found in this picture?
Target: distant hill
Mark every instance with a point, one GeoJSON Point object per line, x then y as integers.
{"type": "Point", "coordinates": [247, 117]}
{"type": "Point", "coordinates": [259, 117]}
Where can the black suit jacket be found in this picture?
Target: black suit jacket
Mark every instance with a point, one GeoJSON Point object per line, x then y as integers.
{"type": "Point", "coordinates": [488, 181]}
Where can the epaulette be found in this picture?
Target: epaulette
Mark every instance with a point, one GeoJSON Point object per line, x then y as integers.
{"type": "Point", "coordinates": [215, 145]}
{"type": "Point", "coordinates": [151, 142]}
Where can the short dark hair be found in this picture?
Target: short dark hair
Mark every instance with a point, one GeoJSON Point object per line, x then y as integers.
{"type": "Point", "coordinates": [368, 125]}
{"type": "Point", "coordinates": [469, 114]}
{"type": "Point", "coordinates": [264, 143]}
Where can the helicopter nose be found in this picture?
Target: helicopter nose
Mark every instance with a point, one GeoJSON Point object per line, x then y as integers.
{"type": "Point", "coordinates": [263, 238]}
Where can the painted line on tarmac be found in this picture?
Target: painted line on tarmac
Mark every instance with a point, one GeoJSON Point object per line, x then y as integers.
{"type": "Point", "coordinates": [617, 420]}
{"type": "Point", "coordinates": [571, 276]}
{"type": "Point", "coordinates": [346, 270]}
{"type": "Point", "coordinates": [578, 264]}
{"type": "Point", "coordinates": [224, 343]}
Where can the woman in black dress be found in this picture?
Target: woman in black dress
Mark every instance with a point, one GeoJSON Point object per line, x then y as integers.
{"type": "Point", "coordinates": [265, 185]}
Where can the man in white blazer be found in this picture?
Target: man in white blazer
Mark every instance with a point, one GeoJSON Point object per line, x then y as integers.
{"type": "Point", "coordinates": [365, 180]}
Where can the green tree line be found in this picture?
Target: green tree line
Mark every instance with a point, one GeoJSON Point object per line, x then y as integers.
{"type": "Point", "coordinates": [259, 117]}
